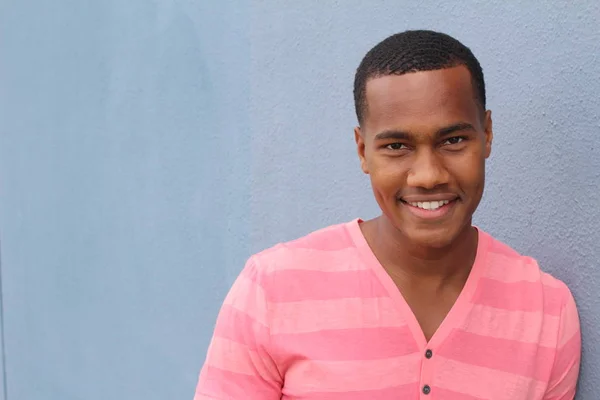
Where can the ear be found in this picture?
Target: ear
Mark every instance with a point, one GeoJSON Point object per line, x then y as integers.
{"type": "Point", "coordinates": [360, 148]}
{"type": "Point", "coordinates": [489, 133]}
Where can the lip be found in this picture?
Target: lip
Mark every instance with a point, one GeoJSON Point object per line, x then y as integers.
{"type": "Point", "coordinates": [438, 213]}
{"type": "Point", "coordinates": [416, 198]}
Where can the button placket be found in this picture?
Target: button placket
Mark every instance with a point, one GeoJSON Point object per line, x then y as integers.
{"type": "Point", "coordinates": [426, 373]}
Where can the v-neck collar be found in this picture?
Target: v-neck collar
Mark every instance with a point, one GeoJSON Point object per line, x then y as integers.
{"type": "Point", "coordinates": [459, 310]}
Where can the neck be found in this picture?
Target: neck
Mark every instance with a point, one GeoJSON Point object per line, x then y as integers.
{"type": "Point", "coordinates": [414, 263]}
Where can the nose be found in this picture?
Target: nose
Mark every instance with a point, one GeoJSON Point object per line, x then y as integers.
{"type": "Point", "coordinates": [427, 171]}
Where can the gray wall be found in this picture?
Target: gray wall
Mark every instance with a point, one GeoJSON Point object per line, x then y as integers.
{"type": "Point", "coordinates": [147, 148]}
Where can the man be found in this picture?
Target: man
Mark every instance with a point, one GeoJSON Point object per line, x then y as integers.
{"type": "Point", "coordinates": [416, 303]}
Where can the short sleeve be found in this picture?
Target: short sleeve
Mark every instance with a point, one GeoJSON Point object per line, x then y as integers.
{"type": "Point", "coordinates": [238, 363]}
{"type": "Point", "coordinates": [565, 370]}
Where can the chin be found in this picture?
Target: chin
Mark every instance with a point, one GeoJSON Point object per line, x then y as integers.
{"type": "Point", "coordinates": [434, 234]}
{"type": "Point", "coordinates": [436, 239]}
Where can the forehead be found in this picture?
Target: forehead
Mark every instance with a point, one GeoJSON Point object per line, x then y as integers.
{"type": "Point", "coordinates": [422, 100]}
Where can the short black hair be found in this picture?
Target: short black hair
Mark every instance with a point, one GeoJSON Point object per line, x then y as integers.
{"type": "Point", "coordinates": [413, 51]}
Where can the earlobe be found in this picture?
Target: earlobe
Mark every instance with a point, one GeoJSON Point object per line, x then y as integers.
{"type": "Point", "coordinates": [360, 148]}
{"type": "Point", "coordinates": [489, 133]}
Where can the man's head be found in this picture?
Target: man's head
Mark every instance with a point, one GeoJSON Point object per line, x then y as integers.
{"type": "Point", "coordinates": [413, 51]}
{"type": "Point", "coordinates": [423, 133]}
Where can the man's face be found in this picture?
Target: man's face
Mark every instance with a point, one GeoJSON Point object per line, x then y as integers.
{"type": "Point", "coordinates": [423, 141]}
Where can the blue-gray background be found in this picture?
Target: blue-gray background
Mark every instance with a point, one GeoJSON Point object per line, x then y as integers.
{"type": "Point", "coordinates": [148, 147]}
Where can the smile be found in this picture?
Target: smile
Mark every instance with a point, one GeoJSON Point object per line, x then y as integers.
{"type": "Point", "coordinates": [430, 210]}
{"type": "Point", "coordinates": [429, 205]}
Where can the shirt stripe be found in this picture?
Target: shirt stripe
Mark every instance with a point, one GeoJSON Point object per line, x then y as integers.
{"type": "Point", "coordinates": [319, 318]}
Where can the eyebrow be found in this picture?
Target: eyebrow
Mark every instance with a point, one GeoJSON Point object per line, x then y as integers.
{"type": "Point", "coordinates": [403, 135]}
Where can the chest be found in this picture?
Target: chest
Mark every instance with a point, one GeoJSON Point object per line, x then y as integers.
{"type": "Point", "coordinates": [369, 349]}
{"type": "Point", "coordinates": [429, 306]}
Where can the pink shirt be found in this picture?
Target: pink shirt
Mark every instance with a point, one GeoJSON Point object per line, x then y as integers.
{"type": "Point", "coordinates": [319, 318]}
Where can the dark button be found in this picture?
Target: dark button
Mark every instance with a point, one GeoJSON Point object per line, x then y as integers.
{"type": "Point", "coordinates": [426, 389]}
{"type": "Point", "coordinates": [428, 353]}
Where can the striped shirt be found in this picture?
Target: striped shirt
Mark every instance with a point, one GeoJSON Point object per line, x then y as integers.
{"type": "Point", "coordinates": [319, 318]}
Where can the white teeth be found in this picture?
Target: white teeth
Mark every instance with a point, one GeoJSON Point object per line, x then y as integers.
{"type": "Point", "coordinates": [430, 205]}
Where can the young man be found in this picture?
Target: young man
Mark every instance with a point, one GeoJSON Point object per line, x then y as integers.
{"type": "Point", "coordinates": [416, 303]}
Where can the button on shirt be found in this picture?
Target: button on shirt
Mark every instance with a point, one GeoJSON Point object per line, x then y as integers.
{"type": "Point", "coordinates": [319, 319]}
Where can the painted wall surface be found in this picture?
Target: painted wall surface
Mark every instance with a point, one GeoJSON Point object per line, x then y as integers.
{"type": "Point", "coordinates": [147, 148]}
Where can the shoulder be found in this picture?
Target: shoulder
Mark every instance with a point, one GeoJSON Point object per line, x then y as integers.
{"type": "Point", "coordinates": [304, 252]}
{"type": "Point", "coordinates": [330, 249]}
{"type": "Point", "coordinates": [521, 274]}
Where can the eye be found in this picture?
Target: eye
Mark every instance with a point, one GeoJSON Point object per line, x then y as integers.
{"type": "Point", "coordinates": [454, 140]}
{"type": "Point", "coordinates": [395, 146]}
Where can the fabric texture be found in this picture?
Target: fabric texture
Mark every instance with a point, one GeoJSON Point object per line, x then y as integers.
{"type": "Point", "coordinates": [319, 318]}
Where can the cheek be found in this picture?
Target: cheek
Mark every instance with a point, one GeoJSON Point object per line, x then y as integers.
{"type": "Point", "coordinates": [469, 172]}
{"type": "Point", "coordinates": [387, 178]}
{"type": "Point", "coordinates": [386, 175]}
